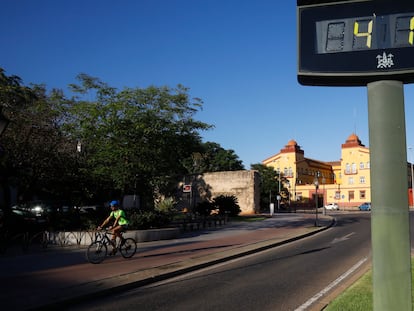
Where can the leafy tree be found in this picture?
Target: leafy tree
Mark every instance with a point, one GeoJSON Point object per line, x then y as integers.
{"type": "Point", "coordinates": [36, 152]}
{"type": "Point", "coordinates": [269, 184]}
{"type": "Point", "coordinates": [213, 158]}
{"type": "Point", "coordinates": [135, 136]}
{"type": "Point", "coordinates": [12, 92]}
{"type": "Point", "coordinates": [135, 140]}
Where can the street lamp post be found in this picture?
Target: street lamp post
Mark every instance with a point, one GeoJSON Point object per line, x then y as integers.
{"type": "Point", "coordinates": [278, 193]}
{"type": "Point", "coordinates": [324, 203]}
{"type": "Point", "coordinates": [316, 183]}
{"type": "Point", "coordinates": [288, 185]}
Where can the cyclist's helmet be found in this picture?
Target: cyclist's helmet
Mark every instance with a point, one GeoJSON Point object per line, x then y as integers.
{"type": "Point", "coordinates": [114, 203]}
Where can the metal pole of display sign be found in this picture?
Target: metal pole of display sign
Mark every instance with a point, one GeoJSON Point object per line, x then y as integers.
{"type": "Point", "coordinates": [391, 257]}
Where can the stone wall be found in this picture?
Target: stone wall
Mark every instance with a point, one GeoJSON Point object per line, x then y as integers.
{"type": "Point", "coordinates": [244, 185]}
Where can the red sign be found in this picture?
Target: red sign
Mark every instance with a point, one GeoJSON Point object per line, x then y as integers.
{"type": "Point", "coordinates": [187, 188]}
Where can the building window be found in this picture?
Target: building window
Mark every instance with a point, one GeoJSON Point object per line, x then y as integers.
{"type": "Point", "coordinates": [350, 180]}
{"type": "Point", "coordinates": [361, 165]}
{"type": "Point", "coordinates": [362, 179]}
{"type": "Point", "coordinates": [337, 195]}
{"type": "Point", "coordinates": [368, 165]}
{"type": "Point", "coordinates": [362, 194]}
{"type": "Point", "coordinates": [354, 169]}
{"type": "Point", "coordinates": [347, 169]}
{"type": "Point", "coordinates": [351, 195]}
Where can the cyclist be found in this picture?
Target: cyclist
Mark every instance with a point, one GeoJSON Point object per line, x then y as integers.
{"type": "Point", "coordinates": [120, 223]}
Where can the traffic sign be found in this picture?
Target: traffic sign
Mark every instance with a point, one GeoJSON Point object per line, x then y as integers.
{"type": "Point", "coordinates": [186, 188]}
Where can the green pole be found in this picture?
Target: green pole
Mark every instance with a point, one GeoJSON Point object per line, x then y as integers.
{"type": "Point", "coordinates": [390, 232]}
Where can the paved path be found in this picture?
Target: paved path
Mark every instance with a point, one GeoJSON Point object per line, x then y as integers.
{"type": "Point", "coordinates": [46, 279]}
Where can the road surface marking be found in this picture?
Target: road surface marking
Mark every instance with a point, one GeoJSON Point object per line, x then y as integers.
{"type": "Point", "coordinates": [315, 298]}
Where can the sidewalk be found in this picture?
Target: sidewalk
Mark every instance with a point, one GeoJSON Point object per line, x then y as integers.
{"type": "Point", "coordinates": [53, 277]}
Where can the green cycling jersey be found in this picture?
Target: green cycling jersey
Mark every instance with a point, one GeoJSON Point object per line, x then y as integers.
{"type": "Point", "coordinates": [122, 217]}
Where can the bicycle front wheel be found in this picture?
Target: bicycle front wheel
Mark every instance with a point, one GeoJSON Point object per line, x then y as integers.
{"type": "Point", "coordinates": [128, 248]}
{"type": "Point", "coordinates": [96, 252]}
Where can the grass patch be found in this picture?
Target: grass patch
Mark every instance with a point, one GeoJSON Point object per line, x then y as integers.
{"type": "Point", "coordinates": [358, 297]}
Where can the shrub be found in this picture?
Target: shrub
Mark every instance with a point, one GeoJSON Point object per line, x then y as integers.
{"type": "Point", "coordinates": [148, 220]}
{"type": "Point", "coordinates": [166, 206]}
{"type": "Point", "coordinates": [227, 204]}
{"type": "Point", "coordinates": [204, 208]}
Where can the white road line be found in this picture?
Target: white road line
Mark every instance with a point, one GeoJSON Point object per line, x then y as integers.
{"type": "Point", "coordinates": [315, 298]}
{"type": "Point", "coordinates": [344, 238]}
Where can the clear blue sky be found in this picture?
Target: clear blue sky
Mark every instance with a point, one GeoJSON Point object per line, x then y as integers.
{"type": "Point", "coordinates": [238, 56]}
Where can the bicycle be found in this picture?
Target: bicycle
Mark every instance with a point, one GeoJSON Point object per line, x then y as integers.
{"type": "Point", "coordinates": [98, 249]}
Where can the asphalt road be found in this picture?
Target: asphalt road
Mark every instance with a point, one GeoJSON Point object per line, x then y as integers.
{"type": "Point", "coordinates": [283, 278]}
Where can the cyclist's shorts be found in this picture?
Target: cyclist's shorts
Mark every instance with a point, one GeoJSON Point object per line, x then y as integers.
{"type": "Point", "coordinates": [124, 227]}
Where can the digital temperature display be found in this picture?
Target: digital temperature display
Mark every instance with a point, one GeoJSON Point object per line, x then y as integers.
{"type": "Point", "coordinates": [355, 42]}
{"type": "Point", "coordinates": [365, 33]}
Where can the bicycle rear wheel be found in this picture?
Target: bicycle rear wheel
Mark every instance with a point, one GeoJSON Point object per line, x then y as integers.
{"type": "Point", "coordinates": [128, 248]}
{"type": "Point", "coordinates": [96, 252]}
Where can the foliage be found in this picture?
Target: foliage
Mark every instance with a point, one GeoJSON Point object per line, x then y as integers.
{"type": "Point", "coordinates": [148, 220]}
{"type": "Point", "coordinates": [269, 184]}
{"type": "Point", "coordinates": [166, 206]}
{"type": "Point", "coordinates": [37, 154]}
{"type": "Point", "coordinates": [129, 141]}
{"type": "Point", "coordinates": [227, 204]}
{"type": "Point", "coordinates": [135, 134]}
{"type": "Point", "coordinates": [204, 208]}
{"type": "Point", "coordinates": [102, 142]}
{"type": "Point", "coordinates": [61, 221]}
{"type": "Point", "coordinates": [92, 218]}
{"type": "Point", "coordinates": [213, 158]}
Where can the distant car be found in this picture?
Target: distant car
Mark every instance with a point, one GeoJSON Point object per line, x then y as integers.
{"type": "Point", "coordinates": [44, 208]}
{"type": "Point", "coordinates": [20, 220]}
{"type": "Point", "coordinates": [332, 206]}
{"type": "Point", "coordinates": [365, 206]}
